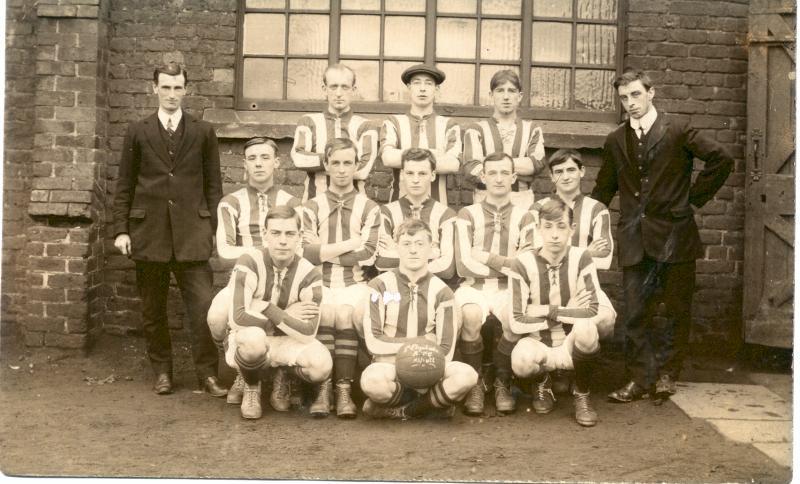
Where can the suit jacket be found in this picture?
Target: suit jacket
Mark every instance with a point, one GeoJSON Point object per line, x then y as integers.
{"type": "Point", "coordinates": [656, 215]}
{"type": "Point", "coordinates": [169, 208]}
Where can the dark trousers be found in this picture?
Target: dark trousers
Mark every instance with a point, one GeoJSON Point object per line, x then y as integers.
{"type": "Point", "coordinates": [195, 281]}
{"type": "Point", "coordinates": [651, 340]}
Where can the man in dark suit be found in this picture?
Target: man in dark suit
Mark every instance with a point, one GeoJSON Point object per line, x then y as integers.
{"type": "Point", "coordinates": [164, 217]}
{"type": "Point", "coordinates": [649, 160]}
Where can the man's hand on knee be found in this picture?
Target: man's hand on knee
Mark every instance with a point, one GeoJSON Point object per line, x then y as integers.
{"type": "Point", "coordinates": [305, 311]}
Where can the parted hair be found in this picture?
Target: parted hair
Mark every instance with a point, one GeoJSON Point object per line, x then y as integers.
{"type": "Point", "coordinates": [260, 140]}
{"type": "Point", "coordinates": [417, 154]}
{"type": "Point", "coordinates": [339, 67]}
{"type": "Point", "coordinates": [506, 75]}
{"type": "Point", "coordinates": [498, 156]}
{"type": "Point", "coordinates": [563, 155]}
{"type": "Point", "coordinates": [340, 144]}
{"type": "Point", "coordinates": [170, 69]}
{"type": "Point", "coordinates": [282, 212]}
{"type": "Point", "coordinates": [412, 226]}
{"type": "Point", "coordinates": [633, 75]}
{"type": "Point", "coordinates": [554, 209]}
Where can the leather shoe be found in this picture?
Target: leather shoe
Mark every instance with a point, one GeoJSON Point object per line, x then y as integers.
{"type": "Point", "coordinates": [163, 384]}
{"type": "Point", "coordinates": [212, 386]}
{"type": "Point", "coordinates": [665, 387]}
{"type": "Point", "coordinates": [630, 392]}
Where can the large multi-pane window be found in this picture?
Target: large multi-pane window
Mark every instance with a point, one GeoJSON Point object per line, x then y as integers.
{"type": "Point", "coordinates": [566, 51]}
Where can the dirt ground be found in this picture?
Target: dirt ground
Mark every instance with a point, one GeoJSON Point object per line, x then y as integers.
{"type": "Point", "coordinates": [96, 416]}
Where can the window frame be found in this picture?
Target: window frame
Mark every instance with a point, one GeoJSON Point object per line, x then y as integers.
{"type": "Point", "coordinates": [459, 110]}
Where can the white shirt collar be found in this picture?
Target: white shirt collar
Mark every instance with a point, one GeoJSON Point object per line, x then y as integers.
{"type": "Point", "coordinates": [164, 117]}
{"type": "Point", "coordinates": [646, 121]}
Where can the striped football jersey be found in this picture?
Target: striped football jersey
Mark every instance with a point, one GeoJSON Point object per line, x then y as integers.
{"type": "Point", "coordinates": [398, 310]}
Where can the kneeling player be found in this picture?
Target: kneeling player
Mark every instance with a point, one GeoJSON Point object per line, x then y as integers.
{"type": "Point", "coordinates": [275, 313]}
{"type": "Point", "coordinates": [406, 303]}
{"type": "Point", "coordinates": [554, 286]}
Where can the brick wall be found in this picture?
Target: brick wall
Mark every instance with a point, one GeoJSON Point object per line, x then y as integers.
{"type": "Point", "coordinates": [693, 49]}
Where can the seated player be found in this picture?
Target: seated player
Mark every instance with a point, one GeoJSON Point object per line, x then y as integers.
{"type": "Point", "coordinates": [340, 233]}
{"type": "Point", "coordinates": [554, 312]}
{"type": "Point", "coordinates": [421, 127]}
{"type": "Point", "coordinates": [338, 121]}
{"type": "Point", "coordinates": [505, 131]}
{"type": "Point", "coordinates": [592, 228]}
{"type": "Point", "coordinates": [417, 174]}
{"type": "Point", "coordinates": [275, 311]}
{"type": "Point", "coordinates": [406, 303]}
{"type": "Point", "coordinates": [242, 216]}
{"type": "Point", "coordinates": [493, 229]}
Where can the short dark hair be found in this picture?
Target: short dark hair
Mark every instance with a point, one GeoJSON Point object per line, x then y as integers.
{"type": "Point", "coordinates": [259, 140]}
{"type": "Point", "coordinates": [506, 75]}
{"type": "Point", "coordinates": [339, 144]}
{"type": "Point", "coordinates": [171, 69]}
{"type": "Point", "coordinates": [338, 67]}
{"type": "Point", "coordinates": [417, 154]}
{"type": "Point", "coordinates": [562, 156]}
{"type": "Point", "coordinates": [554, 209]}
{"type": "Point", "coordinates": [633, 75]}
{"type": "Point", "coordinates": [282, 212]}
{"type": "Point", "coordinates": [412, 226]}
{"type": "Point", "coordinates": [498, 156]}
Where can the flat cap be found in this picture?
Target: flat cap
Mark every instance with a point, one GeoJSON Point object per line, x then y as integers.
{"type": "Point", "coordinates": [437, 75]}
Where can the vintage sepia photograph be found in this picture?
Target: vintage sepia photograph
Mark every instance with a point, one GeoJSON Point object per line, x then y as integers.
{"type": "Point", "coordinates": [399, 240]}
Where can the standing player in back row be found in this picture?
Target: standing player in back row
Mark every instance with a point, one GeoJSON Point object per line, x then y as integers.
{"type": "Point", "coordinates": [337, 121]}
{"type": "Point", "coordinates": [421, 127]}
{"type": "Point", "coordinates": [505, 131]}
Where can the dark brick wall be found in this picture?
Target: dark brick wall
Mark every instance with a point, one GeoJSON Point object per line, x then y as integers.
{"type": "Point", "coordinates": [695, 51]}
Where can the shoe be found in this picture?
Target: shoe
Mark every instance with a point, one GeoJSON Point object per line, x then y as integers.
{"type": "Point", "coordinates": [584, 413]}
{"type": "Point", "coordinates": [543, 398]}
{"type": "Point", "coordinates": [473, 404]}
{"type": "Point", "coordinates": [236, 391]}
{"type": "Point", "coordinates": [345, 408]}
{"type": "Point", "coordinates": [443, 413]}
{"type": "Point", "coordinates": [163, 384]}
{"type": "Point", "coordinates": [503, 400]}
{"type": "Point", "coordinates": [561, 382]}
{"type": "Point", "coordinates": [212, 386]}
{"type": "Point", "coordinates": [321, 406]}
{"type": "Point", "coordinates": [281, 391]}
{"type": "Point", "coordinates": [630, 392]}
{"type": "Point", "coordinates": [374, 410]}
{"type": "Point", "coordinates": [251, 401]}
{"type": "Point", "coordinates": [665, 387]}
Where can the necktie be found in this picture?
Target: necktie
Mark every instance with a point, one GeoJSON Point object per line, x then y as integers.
{"type": "Point", "coordinates": [278, 283]}
{"type": "Point", "coordinates": [170, 128]}
{"type": "Point", "coordinates": [412, 322]}
{"type": "Point", "coordinates": [416, 212]}
{"type": "Point", "coordinates": [554, 294]}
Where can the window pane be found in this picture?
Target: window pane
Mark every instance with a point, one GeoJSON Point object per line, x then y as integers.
{"type": "Point", "coordinates": [308, 34]}
{"type": "Point", "coordinates": [394, 91]}
{"type": "Point", "coordinates": [593, 90]}
{"type": "Point", "coordinates": [361, 35]}
{"type": "Point", "coordinates": [361, 4]}
{"type": "Point", "coordinates": [597, 9]}
{"type": "Point", "coordinates": [305, 78]}
{"type": "Point", "coordinates": [366, 79]}
{"type": "Point", "coordinates": [486, 76]}
{"type": "Point", "coordinates": [404, 37]}
{"type": "Point", "coordinates": [459, 86]}
{"type": "Point", "coordinates": [500, 39]}
{"type": "Point", "coordinates": [405, 5]}
{"type": "Point", "coordinates": [455, 38]}
{"type": "Point", "coordinates": [550, 88]}
{"type": "Point", "coordinates": [309, 4]}
{"type": "Point", "coordinates": [457, 6]}
{"type": "Point", "coordinates": [552, 42]}
{"type": "Point", "coordinates": [501, 7]}
{"type": "Point", "coordinates": [266, 4]}
{"type": "Point", "coordinates": [552, 8]}
{"type": "Point", "coordinates": [596, 44]}
{"type": "Point", "coordinates": [264, 33]}
{"type": "Point", "coordinates": [262, 78]}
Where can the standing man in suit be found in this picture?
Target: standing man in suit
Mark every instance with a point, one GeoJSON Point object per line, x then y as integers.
{"type": "Point", "coordinates": [164, 219]}
{"type": "Point", "coordinates": [649, 160]}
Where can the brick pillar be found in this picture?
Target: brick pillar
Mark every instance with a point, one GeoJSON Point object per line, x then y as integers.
{"type": "Point", "coordinates": [64, 240]}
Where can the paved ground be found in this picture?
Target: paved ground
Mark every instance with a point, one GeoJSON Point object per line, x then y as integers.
{"type": "Point", "coordinates": [67, 415]}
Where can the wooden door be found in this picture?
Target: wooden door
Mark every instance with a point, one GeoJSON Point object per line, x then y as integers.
{"type": "Point", "coordinates": [768, 302]}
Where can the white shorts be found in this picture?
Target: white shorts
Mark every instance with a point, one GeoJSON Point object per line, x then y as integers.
{"type": "Point", "coordinates": [282, 350]}
{"type": "Point", "coordinates": [355, 295]}
{"type": "Point", "coordinates": [557, 358]}
{"type": "Point", "coordinates": [490, 301]}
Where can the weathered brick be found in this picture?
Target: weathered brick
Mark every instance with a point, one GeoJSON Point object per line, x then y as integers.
{"type": "Point", "coordinates": [33, 338]}
{"type": "Point", "coordinates": [69, 341]}
{"type": "Point", "coordinates": [79, 210]}
{"type": "Point", "coordinates": [70, 196]}
{"type": "Point", "coordinates": [58, 11]}
{"type": "Point", "coordinates": [36, 208]}
{"type": "Point", "coordinates": [77, 266]}
{"type": "Point", "coordinates": [46, 264]}
{"type": "Point", "coordinates": [668, 50]}
{"type": "Point", "coordinates": [55, 68]}
{"type": "Point", "coordinates": [66, 280]}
